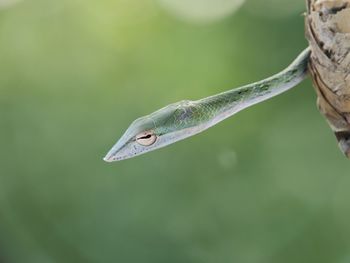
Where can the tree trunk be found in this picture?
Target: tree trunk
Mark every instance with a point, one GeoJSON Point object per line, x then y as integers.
{"type": "Point", "coordinates": [328, 33]}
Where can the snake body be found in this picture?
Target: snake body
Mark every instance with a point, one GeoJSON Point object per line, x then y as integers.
{"type": "Point", "coordinates": [186, 118]}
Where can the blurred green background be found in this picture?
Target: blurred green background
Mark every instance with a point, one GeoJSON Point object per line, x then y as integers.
{"type": "Point", "coordinates": [268, 185]}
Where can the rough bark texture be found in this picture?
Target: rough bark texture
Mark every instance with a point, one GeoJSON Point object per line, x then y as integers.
{"type": "Point", "coordinates": [328, 33]}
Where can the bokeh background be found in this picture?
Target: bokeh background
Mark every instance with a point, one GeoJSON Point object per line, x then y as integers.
{"type": "Point", "coordinates": [268, 185]}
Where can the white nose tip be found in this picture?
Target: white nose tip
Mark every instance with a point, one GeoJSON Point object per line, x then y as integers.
{"type": "Point", "coordinates": [109, 158]}
{"type": "Point", "coordinates": [114, 154]}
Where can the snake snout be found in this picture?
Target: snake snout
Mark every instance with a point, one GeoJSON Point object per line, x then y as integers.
{"type": "Point", "coordinates": [109, 159]}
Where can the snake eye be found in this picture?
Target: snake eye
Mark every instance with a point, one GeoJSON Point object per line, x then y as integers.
{"type": "Point", "coordinates": [146, 138]}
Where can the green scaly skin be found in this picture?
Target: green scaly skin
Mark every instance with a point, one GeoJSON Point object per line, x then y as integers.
{"type": "Point", "coordinates": [186, 118]}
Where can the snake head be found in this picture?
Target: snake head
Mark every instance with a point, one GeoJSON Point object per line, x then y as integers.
{"type": "Point", "coordinates": [161, 128]}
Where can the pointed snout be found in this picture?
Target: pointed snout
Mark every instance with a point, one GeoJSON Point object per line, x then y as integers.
{"type": "Point", "coordinates": [109, 159]}
{"type": "Point", "coordinates": [114, 154]}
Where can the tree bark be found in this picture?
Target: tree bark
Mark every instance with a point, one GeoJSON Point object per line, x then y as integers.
{"type": "Point", "coordinates": [328, 32]}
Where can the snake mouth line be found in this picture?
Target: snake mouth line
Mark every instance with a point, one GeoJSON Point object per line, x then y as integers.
{"type": "Point", "coordinates": [109, 159]}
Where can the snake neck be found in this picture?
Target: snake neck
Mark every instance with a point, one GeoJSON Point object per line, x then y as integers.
{"type": "Point", "coordinates": [225, 104]}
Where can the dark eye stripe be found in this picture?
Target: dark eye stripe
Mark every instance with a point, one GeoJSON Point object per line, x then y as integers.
{"type": "Point", "coordinates": [145, 137]}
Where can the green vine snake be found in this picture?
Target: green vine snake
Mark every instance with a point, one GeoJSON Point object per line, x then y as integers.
{"type": "Point", "coordinates": [186, 118]}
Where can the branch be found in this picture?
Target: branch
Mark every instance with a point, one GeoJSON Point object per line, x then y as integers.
{"type": "Point", "coordinates": [328, 33]}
